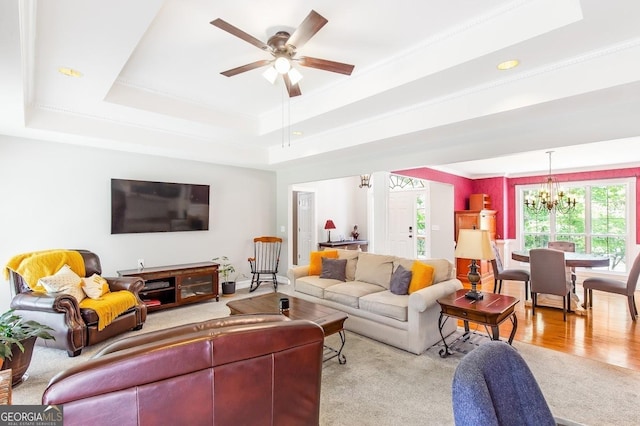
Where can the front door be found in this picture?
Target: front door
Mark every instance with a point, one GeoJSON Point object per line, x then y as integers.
{"type": "Point", "coordinates": [402, 224]}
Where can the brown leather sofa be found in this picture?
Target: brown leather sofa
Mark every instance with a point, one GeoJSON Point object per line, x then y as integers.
{"type": "Point", "coordinates": [76, 328]}
{"type": "Point", "coordinates": [239, 370]}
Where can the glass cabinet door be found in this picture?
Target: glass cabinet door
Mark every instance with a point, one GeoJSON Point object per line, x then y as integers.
{"type": "Point", "coordinates": [196, 285]}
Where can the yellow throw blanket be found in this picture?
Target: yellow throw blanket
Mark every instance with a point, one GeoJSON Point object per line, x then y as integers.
{"type": "Point", "coordinates": [109, 306]}
{"type": "Point", "coordinates": [35, 265]}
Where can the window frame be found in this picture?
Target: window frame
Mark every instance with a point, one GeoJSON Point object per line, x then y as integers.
{"type": "Point", "coordinates": [629, 182]}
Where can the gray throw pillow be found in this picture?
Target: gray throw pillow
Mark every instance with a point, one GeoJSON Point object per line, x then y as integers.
{"type": "Point", "coordinates": [400, 281]}
{"type": "Point", "coordinates": [334, 269]}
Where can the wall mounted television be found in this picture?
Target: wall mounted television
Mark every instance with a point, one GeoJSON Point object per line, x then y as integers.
{"type": "Point", "coordinates": [142, 206]}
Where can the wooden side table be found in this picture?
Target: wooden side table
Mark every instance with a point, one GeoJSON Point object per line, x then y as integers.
{"type": "Point", "coordinates": [490, 311]}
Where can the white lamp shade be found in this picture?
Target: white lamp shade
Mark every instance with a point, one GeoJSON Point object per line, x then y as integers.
{"type": "Point", "coordinates": [474, 244]}
{"type": "Point", "coordinates": [294, 76]}
{"type": "Point", "coordinates": [270, 74]}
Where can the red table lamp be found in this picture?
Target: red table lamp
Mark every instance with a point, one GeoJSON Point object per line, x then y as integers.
{"type": "Point", "coordinates": [329, 225]}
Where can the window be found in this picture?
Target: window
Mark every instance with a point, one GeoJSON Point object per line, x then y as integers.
{"type": "Point", "coordinates": [399, 183]}
{"type": "Point", "coordinates": [599, 224]}
{"type": "Point", "coordinates": [421, 227]}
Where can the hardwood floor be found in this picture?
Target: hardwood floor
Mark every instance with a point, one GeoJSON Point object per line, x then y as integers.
{"type": "Point", "coordinates": [606, 333]}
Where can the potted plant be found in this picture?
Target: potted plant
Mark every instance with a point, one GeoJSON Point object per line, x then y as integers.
{"type": "Point", "coordinates": [17, 338]}
{"type": "Point", "coordinates": [225, 270]}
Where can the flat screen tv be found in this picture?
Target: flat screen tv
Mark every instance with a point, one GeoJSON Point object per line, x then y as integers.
{"type": "Point", "coordinates": [143, 206]}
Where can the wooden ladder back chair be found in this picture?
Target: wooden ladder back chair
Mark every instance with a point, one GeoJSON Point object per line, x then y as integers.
{"type": "Point", "coordinates": [265, 261]}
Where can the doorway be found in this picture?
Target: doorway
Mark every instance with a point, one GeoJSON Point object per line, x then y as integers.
{"type": "Point", "coordinates": [303, 226]}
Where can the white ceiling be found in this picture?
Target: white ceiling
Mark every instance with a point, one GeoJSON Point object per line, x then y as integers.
{"type": "Point", "coordinates": [425, 80]}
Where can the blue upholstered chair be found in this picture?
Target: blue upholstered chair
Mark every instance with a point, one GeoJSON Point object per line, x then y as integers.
{"type": "Point", "coordinates": [493, 385]}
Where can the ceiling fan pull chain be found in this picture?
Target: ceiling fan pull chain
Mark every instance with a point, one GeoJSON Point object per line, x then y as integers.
{"type": "Point", "coordinates": [289, 121]}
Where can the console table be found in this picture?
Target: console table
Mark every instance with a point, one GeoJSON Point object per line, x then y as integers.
{"type": "Point", "coordinates": [175, 285]}
{"type": "Point", "coordinates": [347, 244]}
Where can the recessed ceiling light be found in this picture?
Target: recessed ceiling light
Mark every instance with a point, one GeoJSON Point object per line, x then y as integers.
{"type": "Point", "coordinates": [507, 65]}
{"type": "Point", "coordinates": [297, 133]}
{"type": "Point", "coordinates": [69, 72]}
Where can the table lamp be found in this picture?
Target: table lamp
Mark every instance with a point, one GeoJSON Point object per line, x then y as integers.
{"type": "Point", "coordinates": [329, 225]}
{"type": "Point", "coordinates": [474, 244]}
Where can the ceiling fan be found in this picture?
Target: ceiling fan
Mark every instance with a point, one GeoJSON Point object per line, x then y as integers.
{"type": "Point", "coordinates": [283, 46]}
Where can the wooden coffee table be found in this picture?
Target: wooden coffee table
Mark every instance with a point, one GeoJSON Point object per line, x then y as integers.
{"type": "Point", "coordinates": [331, 320]}
{"type": "Point", "coordinates": [490, 311]}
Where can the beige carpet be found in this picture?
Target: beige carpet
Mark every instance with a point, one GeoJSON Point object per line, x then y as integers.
{"type": "Point", "coordinates": [383, 385]}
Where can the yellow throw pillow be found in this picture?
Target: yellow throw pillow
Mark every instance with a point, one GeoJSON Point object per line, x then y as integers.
{"type": "Point", "coordinates": [95, 286]}
{"type": "Point", "coordinates": [315, 260]}
{"type": "Point", "coordinates": [421, 276]}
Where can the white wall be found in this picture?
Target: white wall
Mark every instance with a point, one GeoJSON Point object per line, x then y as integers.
{"type": "Point", "coordinates": [341, 200]}
{"type": "Point", "coordinates": [58, 196]}
{"type": "Point", "coordinates": [441, 207]}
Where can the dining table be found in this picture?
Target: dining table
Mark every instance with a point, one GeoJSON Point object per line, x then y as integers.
{"type": "Point", "coordinates": [572, 259]}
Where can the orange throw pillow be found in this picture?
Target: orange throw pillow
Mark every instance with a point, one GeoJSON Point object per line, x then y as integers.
{"type": "Point", "coordinates": [421, 276]}
{"type": "Point", "coordinates": [315, 260]}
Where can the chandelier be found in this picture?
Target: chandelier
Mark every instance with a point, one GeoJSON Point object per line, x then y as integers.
{"type": "Point", "coordinates": [550, 196]}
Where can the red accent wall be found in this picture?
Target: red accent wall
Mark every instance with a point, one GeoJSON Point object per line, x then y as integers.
{"type": "Point", "coordinates": [503, 194]}
{"type": "Point", "coordinates": [495, 188]}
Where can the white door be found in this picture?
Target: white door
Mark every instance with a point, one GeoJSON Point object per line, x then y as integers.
{"type": "Point", "coordinates": [402, 224]}
{"type": "Point", "coordinates": [305, 227]}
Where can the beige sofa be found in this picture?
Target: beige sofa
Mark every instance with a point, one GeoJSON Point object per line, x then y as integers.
{"type": "Point", "coordinates": [409, 322]}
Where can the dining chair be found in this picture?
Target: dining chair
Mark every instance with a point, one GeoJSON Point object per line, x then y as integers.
{"type": "Point", "coordinates": [566, 246]}
{"type": "Point", "coordinates": [549, 276]}
{"type": "Point", "coordinates": [265, 261]}
{"type": "Point", "coordinates": [609, 285]}
{"type": "Point", "coordinates": [499, 273]}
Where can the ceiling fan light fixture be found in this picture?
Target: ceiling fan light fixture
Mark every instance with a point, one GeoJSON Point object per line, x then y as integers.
{"type": "Point", "coordinates": [282, 65]}
{"type": "Point", "coordinates": [294, 76]}
{"type": "Point", "coordinates": [270, 74]}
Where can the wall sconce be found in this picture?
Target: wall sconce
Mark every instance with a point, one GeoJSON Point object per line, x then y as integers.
{"type": "Point", "coordinates": [365, 181]}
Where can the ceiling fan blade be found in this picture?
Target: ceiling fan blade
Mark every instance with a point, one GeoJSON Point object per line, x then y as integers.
{"type": "Point", "coordinates": [307, 29]}
{"type": "Point", "coordinates": [245, 68]}
{"type": "Point", "coordinates": [293, 89]}
{"type": "Point", "coordinates": [326, 65]}
{"type": "Point", "coordinates": [223, 25]}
